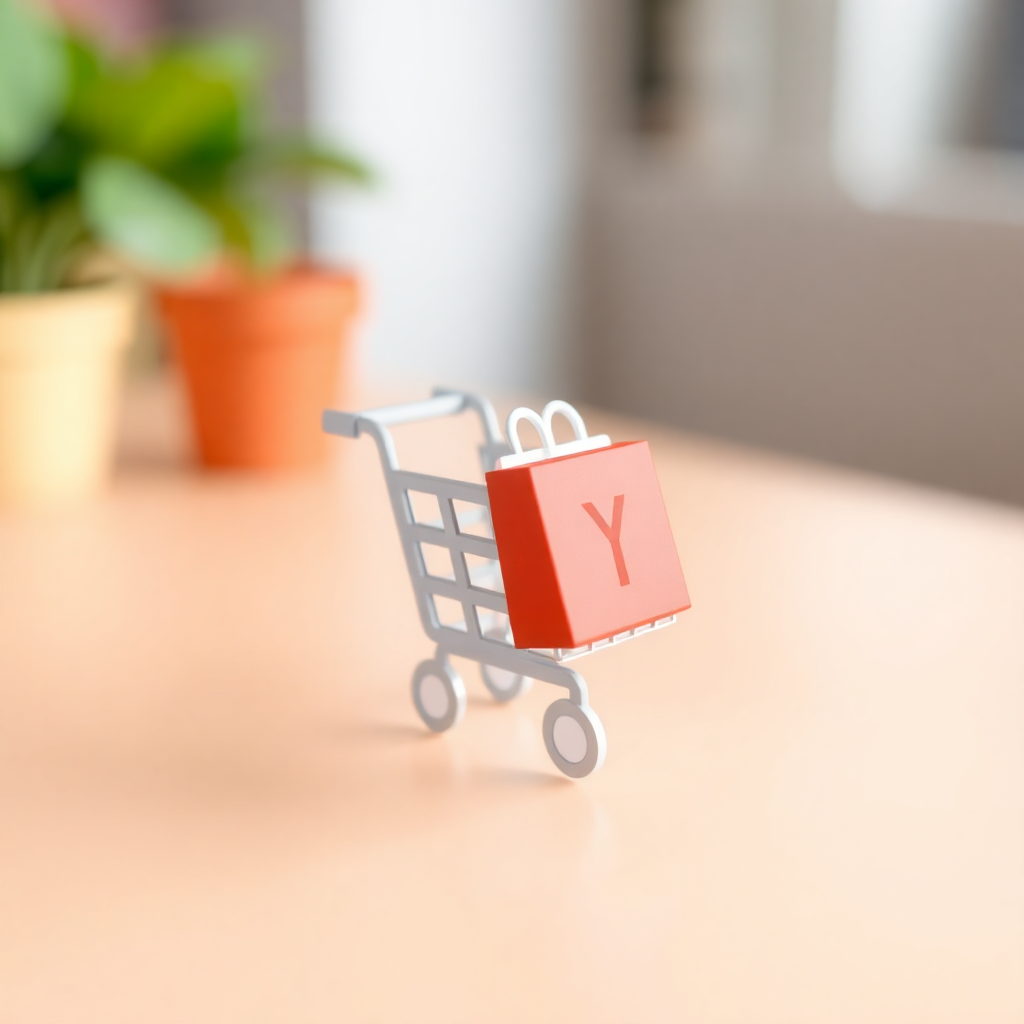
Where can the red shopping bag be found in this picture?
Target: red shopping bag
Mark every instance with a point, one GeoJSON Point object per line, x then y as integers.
{"type": "Point", "coordinates": [583, 538]}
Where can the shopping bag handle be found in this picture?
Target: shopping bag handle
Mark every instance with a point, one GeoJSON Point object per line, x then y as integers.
{"type": "Point", "coordinates": [542, 422]}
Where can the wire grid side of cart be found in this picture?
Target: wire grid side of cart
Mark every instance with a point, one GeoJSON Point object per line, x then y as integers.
{"type": "Point", "coordinates": [470, 576]}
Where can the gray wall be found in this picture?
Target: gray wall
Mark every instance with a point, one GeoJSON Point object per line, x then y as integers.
{"type": "Point", "coordinates": [282, 26]}
{"type": "Point", "coordinates": [891, 343]}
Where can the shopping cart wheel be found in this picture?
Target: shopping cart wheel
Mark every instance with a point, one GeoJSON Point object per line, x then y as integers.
{"type": "Point", "coordinates": [438, 693]}
{"type": "Point", "coordinates": [503, 684]}
{"type": "Point", "coordinates": [575, 739]}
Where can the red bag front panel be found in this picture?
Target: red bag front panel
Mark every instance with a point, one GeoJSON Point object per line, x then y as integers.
{"type": "Point", "coordinates": [585, 546]}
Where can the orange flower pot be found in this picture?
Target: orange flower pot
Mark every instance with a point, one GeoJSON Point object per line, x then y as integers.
{"type": "Point", "coordinates": [261, 359]}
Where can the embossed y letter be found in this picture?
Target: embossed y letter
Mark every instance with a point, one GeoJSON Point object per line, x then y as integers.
{"type": "Point", "coordinates": [612, 533]}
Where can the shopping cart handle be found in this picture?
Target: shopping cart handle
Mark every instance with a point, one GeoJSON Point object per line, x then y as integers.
{"type": "Point", "coordinates": [344, 424]}
{"type": "Point", "coordinates": [443, 403]}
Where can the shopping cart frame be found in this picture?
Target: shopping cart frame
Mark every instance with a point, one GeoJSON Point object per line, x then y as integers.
{"type": "Point", "coordinates": [583, 742]}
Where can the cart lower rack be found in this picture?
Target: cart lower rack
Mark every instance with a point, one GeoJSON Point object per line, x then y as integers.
{"type": "Point", "coordinates": [453, 564]}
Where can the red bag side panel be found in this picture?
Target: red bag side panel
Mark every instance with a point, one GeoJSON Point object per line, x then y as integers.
{"type": "Point", "coordinates": [535, 605]}
{"type": "Point", "coordinates": [586, 547]}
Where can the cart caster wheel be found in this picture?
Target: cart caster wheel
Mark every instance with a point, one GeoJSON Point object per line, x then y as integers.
{"type": "Point", "coordinates": [439, 695]}
{"type": "Point", "coordinates": [575, 738]}
{"type": "Point", "coordinates": [502, 684]}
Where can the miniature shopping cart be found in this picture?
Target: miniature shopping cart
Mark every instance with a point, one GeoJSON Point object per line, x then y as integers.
{"type": "Point", "coordinates": [573, 733]}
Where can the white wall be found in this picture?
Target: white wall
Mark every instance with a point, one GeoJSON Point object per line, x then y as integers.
{"type": "Point", "coordinates": [900, 67]}
{"type": "Point", "coordinates": [469, 108]}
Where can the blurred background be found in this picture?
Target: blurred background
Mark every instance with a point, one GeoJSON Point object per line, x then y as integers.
{"type": "Point", "coordinates": [793, 223]}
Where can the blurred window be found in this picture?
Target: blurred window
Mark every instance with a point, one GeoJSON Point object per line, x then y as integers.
{"type": "Point", "coordinates": [916, 103]}
{"type": "Point", "coordinates": [929, 104]}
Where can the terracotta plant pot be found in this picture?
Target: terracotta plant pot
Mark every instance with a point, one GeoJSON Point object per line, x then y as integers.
{"type": "Point", "coordinates": [261, 360]}
{"type": "Point", "coordinates": [60, 366]}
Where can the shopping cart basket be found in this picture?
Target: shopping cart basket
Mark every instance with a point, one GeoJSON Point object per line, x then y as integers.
{"type": "Point", "coordinates": [573, 733]}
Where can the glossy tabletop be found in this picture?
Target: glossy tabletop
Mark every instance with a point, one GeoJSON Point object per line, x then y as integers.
{"type": "Point", "coordinates": [218, 804]}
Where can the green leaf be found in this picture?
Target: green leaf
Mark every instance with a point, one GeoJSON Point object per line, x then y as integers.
{"type": "Point", "coordinates": [240, 59]}
{"type": "Point", "coordinates": [251, 228]}
{"type": "Point", "coordinates": [161, 112]}
{"type": "Point", "coordinates": [85, 64]}
{"type": "Point", "coordinates": [270, 241]}
{"type": "Point", "coordinates": [32, 80]}
{"type": "Point", "coordinates": [10, 201]}
{"type": "Point", "coordinates": [305, 159]}
{"type": "Point", "coordinates": [54, 168]}
{"type": "Point", "coordinates": [146, 219]}
{"type": "Point", "coordinates": [59, 237]}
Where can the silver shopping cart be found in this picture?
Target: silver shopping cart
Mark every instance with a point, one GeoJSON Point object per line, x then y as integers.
{"type": "Point", "coordinates": [468, 579]}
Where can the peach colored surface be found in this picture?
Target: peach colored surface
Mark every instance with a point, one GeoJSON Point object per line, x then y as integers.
{"type": "Point", "coordinates": [217, 803]}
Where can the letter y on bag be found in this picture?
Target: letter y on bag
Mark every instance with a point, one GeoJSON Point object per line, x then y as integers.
{"type": "Point", "coordinates": [583, 536]}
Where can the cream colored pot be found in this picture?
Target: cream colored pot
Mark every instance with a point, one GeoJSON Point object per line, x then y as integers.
{"type": "Point", "coordinates": [60, 368]}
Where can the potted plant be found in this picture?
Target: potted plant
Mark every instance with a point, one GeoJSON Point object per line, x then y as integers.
{"type": "Point", "coordinates": [61, 337]}
{"type": "Point", "coordinates": [162, 159]}
{"type": "Point", "coordinates": [259, 335]}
